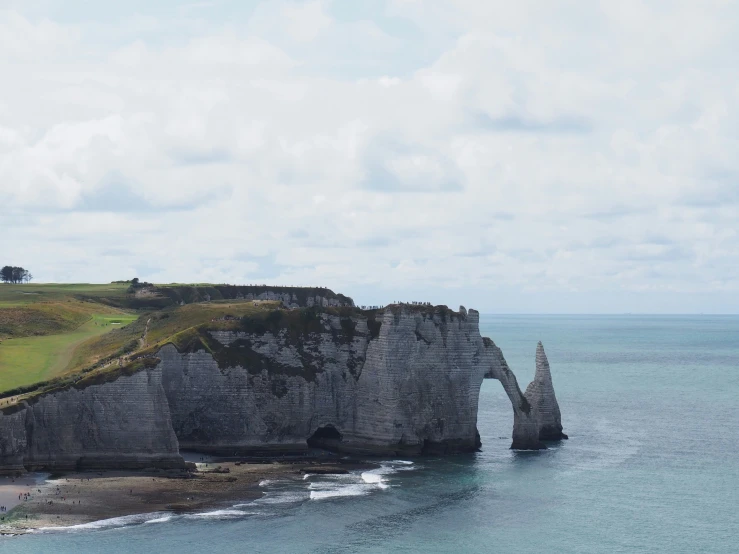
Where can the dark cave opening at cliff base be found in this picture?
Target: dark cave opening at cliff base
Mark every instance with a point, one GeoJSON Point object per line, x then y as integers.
{"type": "Point", "coordinates": [326, 437]}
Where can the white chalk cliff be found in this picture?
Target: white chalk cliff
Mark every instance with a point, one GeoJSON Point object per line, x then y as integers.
{"type": "Point", "coordinates": [398, 381]}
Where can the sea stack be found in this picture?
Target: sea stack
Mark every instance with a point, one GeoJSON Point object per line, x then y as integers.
{"type": "Point", "coordinates": [540, 394]}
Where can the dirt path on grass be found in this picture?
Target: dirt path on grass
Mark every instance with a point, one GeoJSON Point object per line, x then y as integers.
{"type": "Point", "coordinates": [142, 340]}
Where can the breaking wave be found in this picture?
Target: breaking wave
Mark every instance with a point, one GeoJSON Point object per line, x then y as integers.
{"type": "Point", "coordinates": [220, 514]}
{"type": "Point", "coordinates": [356, 483]}
{"type": "Point", "coordinates": [336, 492]}
{"type": "Point", "coordinates": [123, 521]}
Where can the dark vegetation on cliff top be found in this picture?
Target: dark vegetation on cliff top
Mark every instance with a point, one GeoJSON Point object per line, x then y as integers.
{"type": "Point", "coordinates": [140, 295]}
{"type": "Point", "coordinates": [128, 322]}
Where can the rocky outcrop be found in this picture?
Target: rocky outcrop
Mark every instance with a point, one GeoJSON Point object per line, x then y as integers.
{"type": "Point", "coordinates": [399, 381]}
{"type": "Point", "coordinates": [540, 395]}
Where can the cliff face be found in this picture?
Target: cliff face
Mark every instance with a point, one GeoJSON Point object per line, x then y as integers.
{"type": "Point", "coordinates": [122, 424]}
{"type": "Point", "coordinates": [397, 381]}
{"type": "Point", "coordinates": [411, 388]}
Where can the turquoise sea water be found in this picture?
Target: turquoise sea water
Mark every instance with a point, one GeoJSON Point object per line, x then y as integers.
{"type": "Point", "coordinates": [651, 404]}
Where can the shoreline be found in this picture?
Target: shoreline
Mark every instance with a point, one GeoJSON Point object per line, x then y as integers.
{"type": "Point", "coordinates": [80, 498]}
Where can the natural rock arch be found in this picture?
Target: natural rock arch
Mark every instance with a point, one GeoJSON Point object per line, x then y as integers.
{"type": "Point", "coordinates": [536, 414]}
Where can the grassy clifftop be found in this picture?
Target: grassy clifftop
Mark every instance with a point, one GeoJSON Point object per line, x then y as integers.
{"type": "Point", "coordinates": [54, 335]}
{"type": "Point", "coordinates": [133, 348]}
{"type": "Point", "coordinates": [41, 327]}
{"type": "Point", "coordinates": [197, 293]}
{"type": "Point", "coordinates": [39, 310]}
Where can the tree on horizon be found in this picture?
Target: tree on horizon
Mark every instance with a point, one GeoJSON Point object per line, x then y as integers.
{"type": "Point", "coordinates": [15, 274]}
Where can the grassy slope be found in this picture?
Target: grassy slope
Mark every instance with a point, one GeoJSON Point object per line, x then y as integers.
{"type": "Point", "coordinates": [33, 310]}
{"type": "Point", "coordinates": [42, 325]}
{"type": "Point", "coordinates": [25, 361]}
{"type": "Point", "coordinates": [164, 326]}
{"type": "Point", "coordinates": [32, 293]}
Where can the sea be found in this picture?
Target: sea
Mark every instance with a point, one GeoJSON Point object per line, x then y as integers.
{"type": "Point", "coordinates": [651, 405]}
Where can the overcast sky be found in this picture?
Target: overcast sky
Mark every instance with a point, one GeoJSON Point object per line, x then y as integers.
{"type": "Point", "coordinates": [528, 156]}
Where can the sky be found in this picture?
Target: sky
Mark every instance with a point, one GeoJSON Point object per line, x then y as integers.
{"type": "Point", "coordinates": [513, 157]}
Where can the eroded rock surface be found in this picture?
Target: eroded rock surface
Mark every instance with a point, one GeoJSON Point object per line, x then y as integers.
{"type": "Point", "coordinates": [540, 394]}
{"type": "Point", "coordinates": [411, 388]}
{"type": "Point", "coordinates": [525, 416]}
{"type": "Point", "coordinates": [122, 424]}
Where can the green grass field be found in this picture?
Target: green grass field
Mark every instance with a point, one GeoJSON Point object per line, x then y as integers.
{"type": "Point", "coordinates": [41, 327]}
{"type": "Point", "coordinates": [31, 293]}
{"type": "Point", "coordinates": [28, 360]}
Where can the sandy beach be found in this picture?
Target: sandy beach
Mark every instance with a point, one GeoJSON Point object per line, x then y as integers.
{"type": "Point", "coordinates": [78, 498]}
{"type": "Point", "coordinates": [12, 490]}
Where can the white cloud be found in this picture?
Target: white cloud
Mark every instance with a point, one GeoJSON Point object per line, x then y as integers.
{"type": "Point", "coordinates": [545, 151]}
{"type": "Point", "coordinates": [21, 40]}
{"type": "Point", "coordinates": [306, 21]}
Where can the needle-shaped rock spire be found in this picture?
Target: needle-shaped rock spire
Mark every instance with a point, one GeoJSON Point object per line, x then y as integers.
{"type": "Point", "coordinates": [540, 394]}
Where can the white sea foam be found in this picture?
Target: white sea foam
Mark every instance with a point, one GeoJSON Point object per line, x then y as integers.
{"type": "Point", "coordinates": [338, 477]}
{"type": "Point", "coordinates": [219, 514]}
{"type": "Point", "coordinates": [322, 487]}
{"type": "Point", "coordinates": [282, 498]}
{"type": "Point", "coordinates": [110, 523]}
{"type": "Point", "coordinates": [372, 478]}
{"type": "Point", "coordinates": [337, 492]}
{"type": "Point", "coordinates": [369, 477]}
{"type": "Point", "coordinates": [353, 484]}
{"type": "Point", "coordinates": [160, 519]}
{"type": "Point", "coordinates": [399, 465]}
